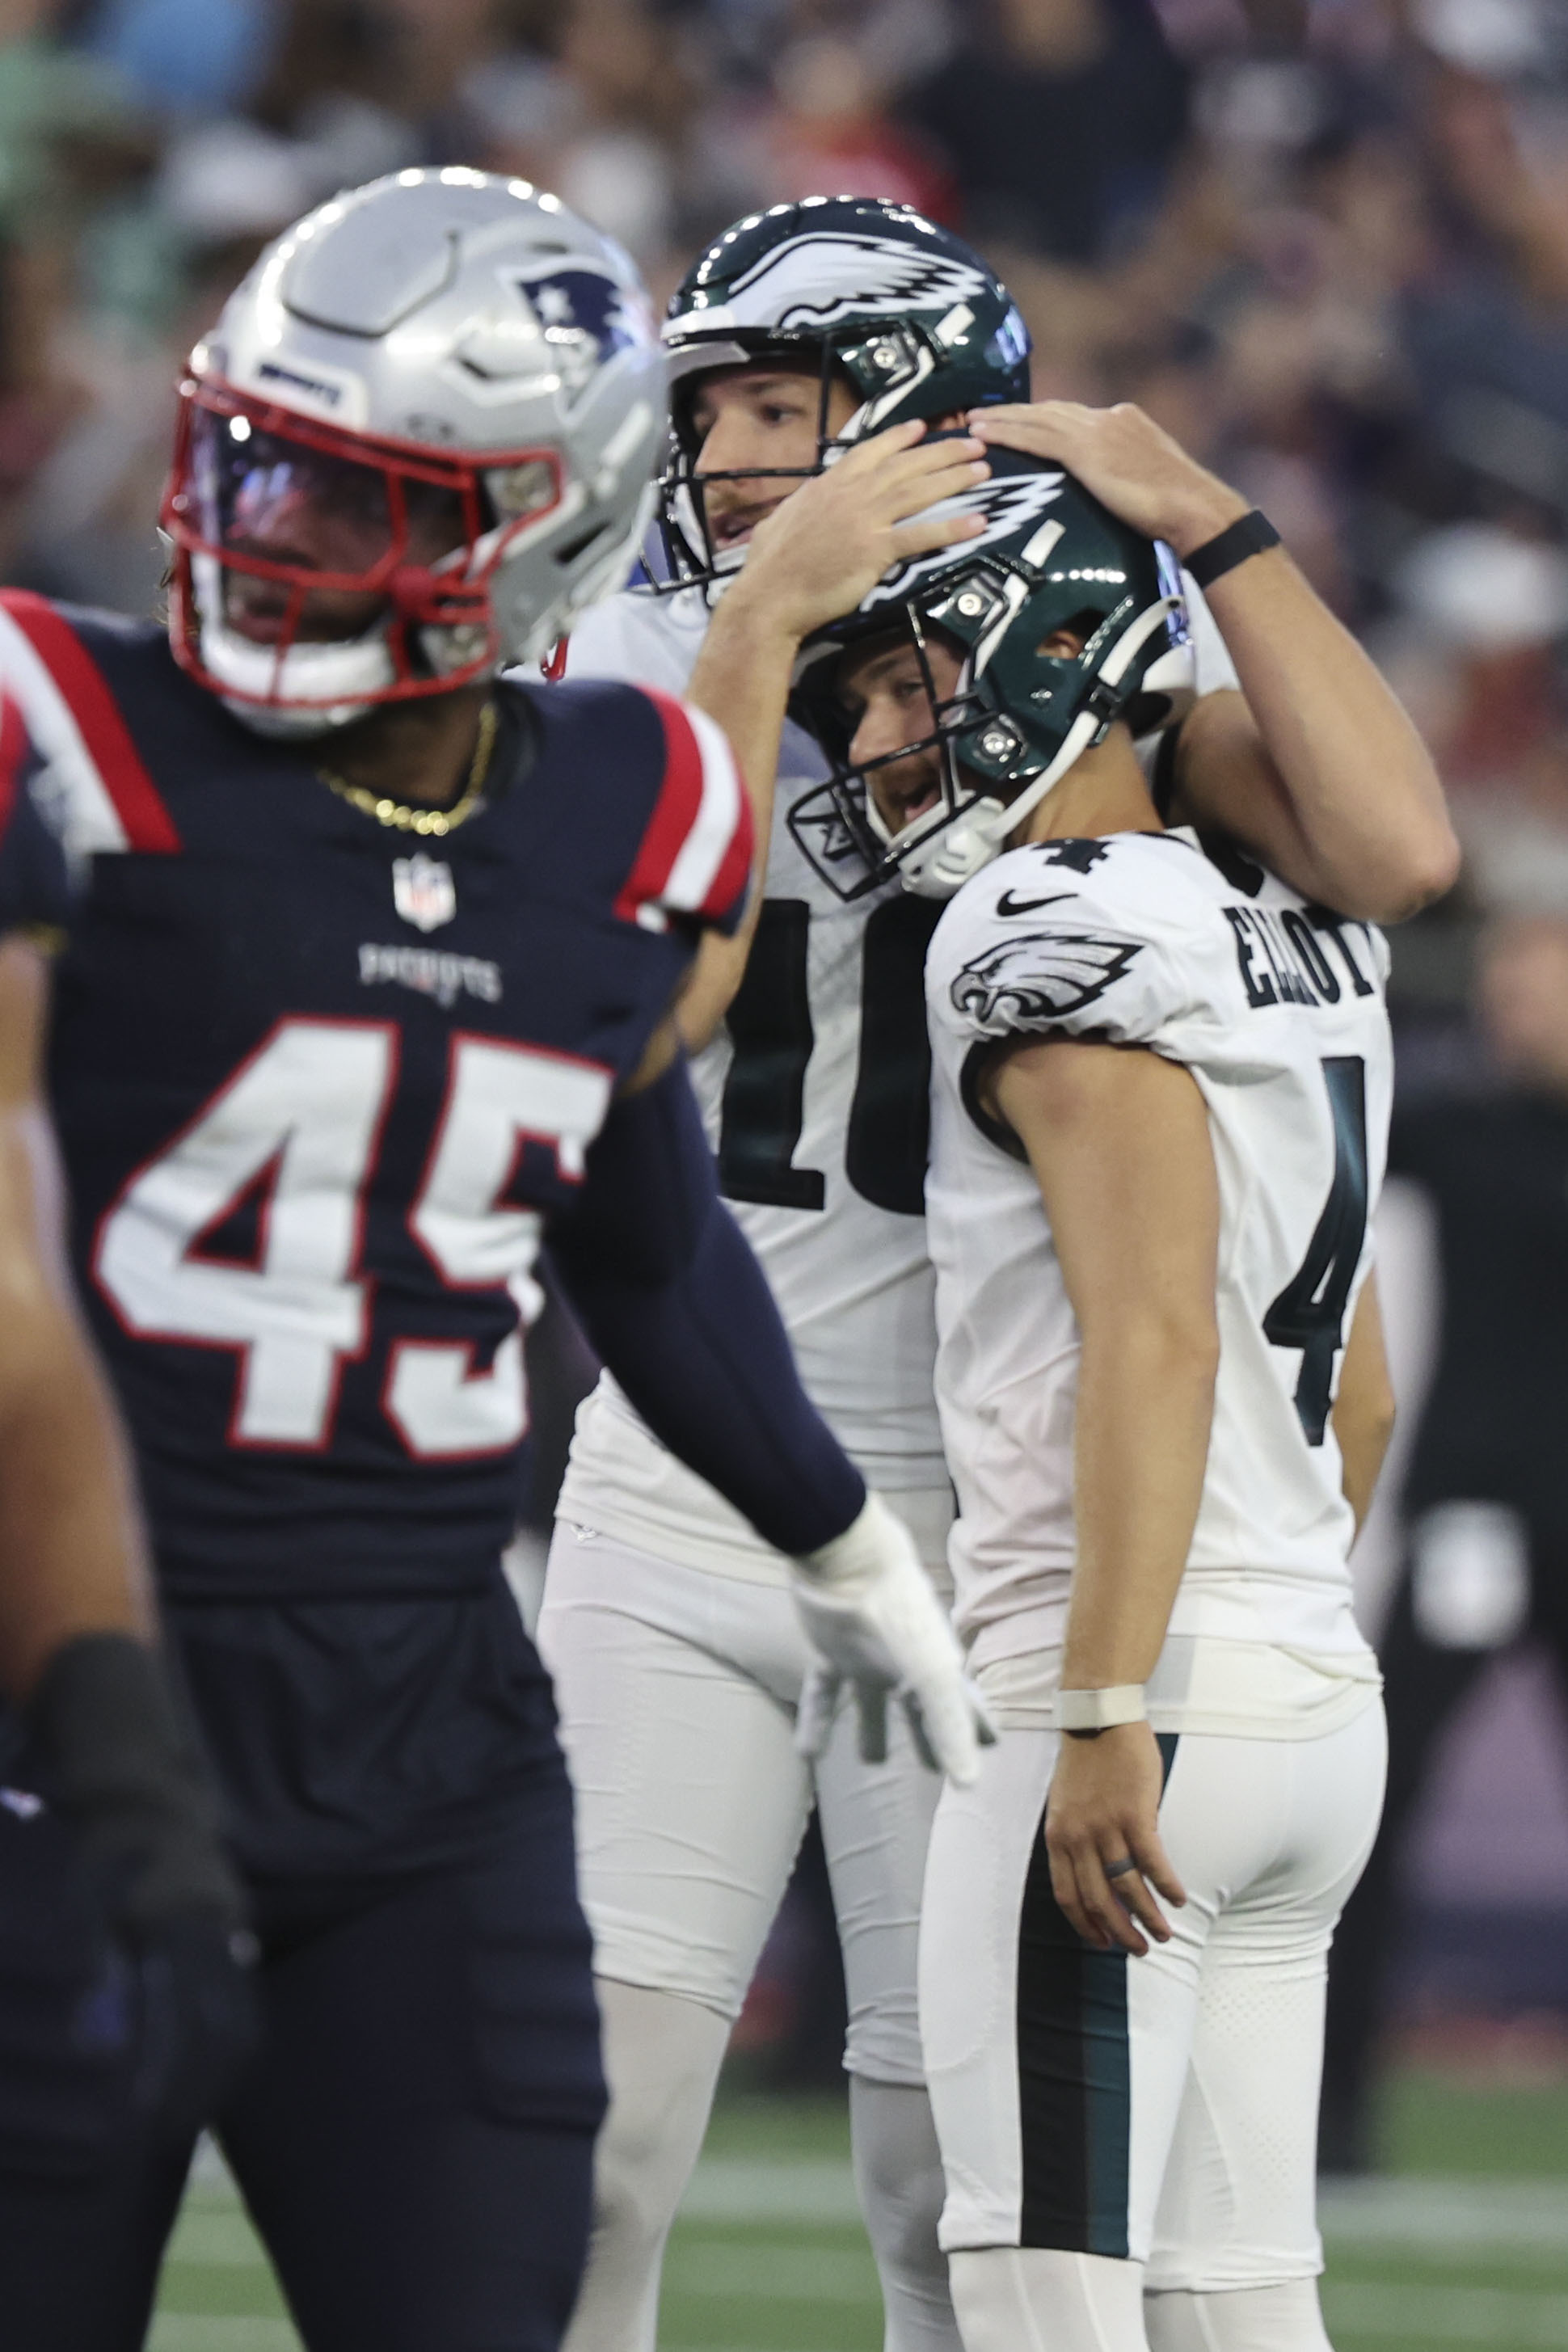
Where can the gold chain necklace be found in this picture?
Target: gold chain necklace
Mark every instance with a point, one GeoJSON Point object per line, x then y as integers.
{"type": "Point", "coordinates": [425, 821]}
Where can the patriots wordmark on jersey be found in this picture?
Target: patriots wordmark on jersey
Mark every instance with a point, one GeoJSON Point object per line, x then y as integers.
{"type": "Point", "coordinates": [317, 1096]}
{"type": "Point", "coordinates": [1276, 1008]}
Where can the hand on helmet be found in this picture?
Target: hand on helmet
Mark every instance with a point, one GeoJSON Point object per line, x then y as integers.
{"type": "Point", "coordinates": [825, 546]}
{"type": "Point", "coordinates": [870, 1611]}
{"type": "Point", "coordinates": [1129, 463]}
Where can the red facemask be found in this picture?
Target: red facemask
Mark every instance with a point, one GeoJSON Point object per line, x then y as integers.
{"type": "Point", "coordinates": [321, 535]}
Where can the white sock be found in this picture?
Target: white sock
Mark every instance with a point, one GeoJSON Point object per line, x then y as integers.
{"type": "Point", "coordinates": [898, 2176]}
{"type": "Point", "coordinates": [1040, 2299]}
{"type": "Point", "coordinates": [1282, 2318]}
{"type": "Point", "coordinates": [662, 2055]}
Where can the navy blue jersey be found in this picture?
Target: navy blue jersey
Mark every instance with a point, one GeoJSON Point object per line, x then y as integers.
{"type": "Point", "coordinates": [319, 1083]}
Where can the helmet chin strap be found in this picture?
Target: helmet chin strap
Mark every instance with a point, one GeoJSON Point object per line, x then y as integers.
{"type": "Point", "coordinates": [955, 851]}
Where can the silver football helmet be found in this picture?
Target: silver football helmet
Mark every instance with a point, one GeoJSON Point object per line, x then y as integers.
{"type": "Point", "coordinates": [420, 440]}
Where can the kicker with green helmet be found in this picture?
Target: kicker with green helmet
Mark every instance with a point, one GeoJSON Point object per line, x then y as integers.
{"type": "Point", "coordinates": [849, 286]}
{"type": "Point", "coordinates": [1051, 559]}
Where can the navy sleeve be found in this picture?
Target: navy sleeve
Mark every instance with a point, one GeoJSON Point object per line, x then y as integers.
{"type": "Point", "coordinates": [678, 1307]}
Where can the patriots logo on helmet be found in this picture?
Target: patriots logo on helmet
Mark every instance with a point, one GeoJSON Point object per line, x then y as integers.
{"type": "Point", "coordinates": [1037, 978]}
{"type": "Point", "coordinates": [812, 281]}
{"type": "Point", "coordinates": [586, 318]}
{"type": "Point", "coordinates": [1005, 504]}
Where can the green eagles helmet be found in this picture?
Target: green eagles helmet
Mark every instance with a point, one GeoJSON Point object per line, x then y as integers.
{"type": "Point", "coordinates": [1051, 558]}
{"type": "Point", "coordinates": [903, 310]}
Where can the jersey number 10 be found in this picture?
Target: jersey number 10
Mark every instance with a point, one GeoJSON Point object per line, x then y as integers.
{"type": "Point", "coordinates": [770, 1030]}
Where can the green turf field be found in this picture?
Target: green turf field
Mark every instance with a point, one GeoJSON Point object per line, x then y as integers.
{"type": "Point", "coordinates": [1464, 2243]}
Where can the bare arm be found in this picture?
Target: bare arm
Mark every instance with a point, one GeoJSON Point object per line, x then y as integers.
{"type": "Point", "coordinates": [71, 1554]}
{"type": "Point", "coordinates": [1119, 1141]}
{"type": "Point", "coordinates": [1315, 764]}
{"type": "Point", "coordinates": [811, 561]}
{"type": "Point", "coordinates": [1363, 1410]}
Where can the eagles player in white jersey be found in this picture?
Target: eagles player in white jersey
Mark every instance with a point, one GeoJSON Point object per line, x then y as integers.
{"type": "Point", "coordinates": [1161, 1098]}
{"type": "Point", "coordinates": [836, 330]}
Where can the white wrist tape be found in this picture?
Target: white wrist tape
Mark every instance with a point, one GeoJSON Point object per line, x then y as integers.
{"type": "Point", "coordinates": [1097, 1710]}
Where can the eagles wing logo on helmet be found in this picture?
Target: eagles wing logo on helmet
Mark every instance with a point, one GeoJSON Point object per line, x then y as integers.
{"type": "Point", "coordinates": [1038, 978]}
{"type": "Point", "coordinates": [1005, 504]}
{"type": "Point", "coordinates": [814, 281]}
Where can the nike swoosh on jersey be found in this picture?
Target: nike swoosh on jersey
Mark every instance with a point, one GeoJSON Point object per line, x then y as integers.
{"type": "Point", "coordinates": [1007, 905]}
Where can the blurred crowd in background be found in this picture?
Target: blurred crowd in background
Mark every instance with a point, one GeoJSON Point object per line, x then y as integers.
{"type": "Point", "coordinates": [1325, 242]}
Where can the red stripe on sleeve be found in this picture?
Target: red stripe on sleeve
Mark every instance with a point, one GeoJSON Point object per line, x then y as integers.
{"type": "Point", "coordinates": [12, 752]}
{"type": "Point", "coordinates": [148, 824]}
{"type": "Point", "coordinates": [728, 895]}
{"type": "Point", "coordinates": [674, 812]}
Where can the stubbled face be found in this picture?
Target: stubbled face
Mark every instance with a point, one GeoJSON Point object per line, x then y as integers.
{"type": "Point", "coordinates": [766, 417]}
{"type": "Point", "coordinates": [885, 698]}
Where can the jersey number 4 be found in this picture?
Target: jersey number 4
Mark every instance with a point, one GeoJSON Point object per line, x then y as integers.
{"type": "Point", "coordinates": [1310, 1312]}
{"type": "Point", "coordinates": [295, 1131]}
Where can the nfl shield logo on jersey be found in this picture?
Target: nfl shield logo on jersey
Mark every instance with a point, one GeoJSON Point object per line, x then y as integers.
{"type": "Point", "coordinates": [423, 891]}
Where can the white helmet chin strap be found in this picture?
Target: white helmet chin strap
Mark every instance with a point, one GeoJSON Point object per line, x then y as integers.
{"type": "Point", "coordinates": [334, 680]}
{"type": "Point", "coordinates": [943, 860]}
{"type": "Point", "coordinates": [328, 685]}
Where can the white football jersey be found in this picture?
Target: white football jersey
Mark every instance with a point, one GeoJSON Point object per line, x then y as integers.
{"type": "Point", "coordinates": [1278, 1010]}
{"type": "Point", "coordinates": [816, 1095]}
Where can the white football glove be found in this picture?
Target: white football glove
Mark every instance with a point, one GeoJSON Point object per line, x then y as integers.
{"type": "Point", "coordinates": [871, 1613]}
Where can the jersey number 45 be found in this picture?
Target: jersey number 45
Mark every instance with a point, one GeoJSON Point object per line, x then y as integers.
{"type": "Point", "coordinates": [299, 1128]}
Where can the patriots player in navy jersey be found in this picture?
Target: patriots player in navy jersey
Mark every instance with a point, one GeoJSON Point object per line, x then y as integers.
{"type": "Point", "coordinates": [368, 987]}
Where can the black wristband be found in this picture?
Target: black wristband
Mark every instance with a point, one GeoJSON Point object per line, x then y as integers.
{"type": "Point", "coordinates": [1249, 535]}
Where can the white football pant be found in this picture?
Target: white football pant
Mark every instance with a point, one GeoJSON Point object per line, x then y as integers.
{"type": "Point", "coordinates": [1157, 2117]}
{"type": "Point", "coordinates": [677, 1689]}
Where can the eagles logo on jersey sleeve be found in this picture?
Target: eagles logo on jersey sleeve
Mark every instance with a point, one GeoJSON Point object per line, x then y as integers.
{"type": "Point", "coordinates": [1014, 954]}
{"type": "Point", "coordinates": [1038, 979]}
